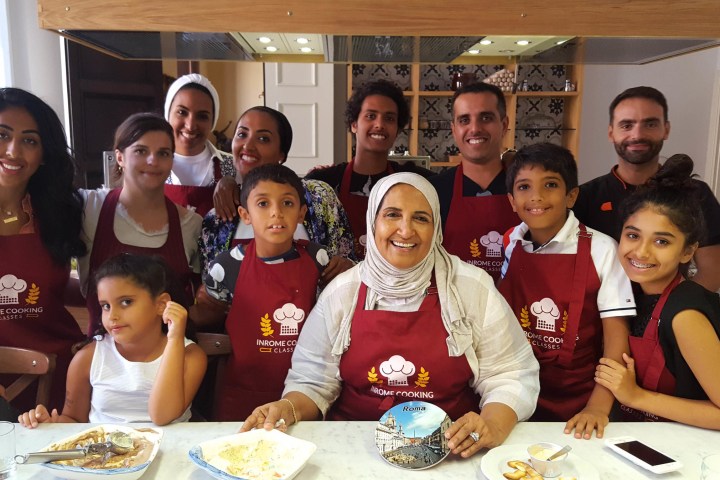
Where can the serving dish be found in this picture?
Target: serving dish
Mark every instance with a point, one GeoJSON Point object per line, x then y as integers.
{"type": "Point", "coordinates": [494, 463]}
{"type": "Point", "coordinates": [255, 455]}
{"type": "Point", "coordinates": [139, 435]}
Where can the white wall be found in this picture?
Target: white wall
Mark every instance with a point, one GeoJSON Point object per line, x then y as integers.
{"type": "Point", "coordinates": [686, 81]}
{"type": "Point", "coordinates": [32, 57]}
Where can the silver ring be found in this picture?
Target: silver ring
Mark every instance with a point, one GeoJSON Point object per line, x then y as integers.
{"type": "Point", "coordinates": [474, 436]}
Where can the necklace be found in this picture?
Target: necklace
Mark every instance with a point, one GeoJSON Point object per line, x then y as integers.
{"type": "Point", "coordinates": [10, 217]}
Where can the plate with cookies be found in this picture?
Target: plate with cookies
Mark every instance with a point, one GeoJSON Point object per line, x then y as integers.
{"type": "Point", "coordinates": [512, 462]}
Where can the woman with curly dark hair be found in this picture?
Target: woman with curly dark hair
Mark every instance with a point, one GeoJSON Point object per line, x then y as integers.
{"type": "Point", "coordinates": [40, 223]}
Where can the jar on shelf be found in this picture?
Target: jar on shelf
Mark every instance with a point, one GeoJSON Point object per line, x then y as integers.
{"type": "Point", "coordinates": [462, 79]}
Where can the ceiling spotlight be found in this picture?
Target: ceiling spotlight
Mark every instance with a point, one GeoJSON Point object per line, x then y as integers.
{"type": "Point", "coordinates": [560, 42]}
{"type": "Point", "coordinates": [522, 43]}
{"type": "Point", "coordinates": [474, 51]}
{"type": "Point", "coordinates": [264, 39]}
{"type": "Point", "coordinates": [271, 49]}
{"type": "Point", "coordinates": [486, 42]}
{"type": "Point", "coordinates": [302, 40]}
{"type": "Point", "coordinates": [306, 49]}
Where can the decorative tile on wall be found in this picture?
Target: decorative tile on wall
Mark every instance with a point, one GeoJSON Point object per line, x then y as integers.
{"type": "Point", "coordinates": [438, 77]}
{"type": "Point", "coordinates": [398, 73]}
{"type": "Point", "coordinates": [539, 119]}
{"type": "Point", "coordinates": [543, 78]}
{"type": "Point", "coordinates": [435, 137]}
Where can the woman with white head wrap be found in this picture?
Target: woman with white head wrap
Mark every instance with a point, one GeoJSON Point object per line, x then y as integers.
{"type": "Point", "coordinates": [192, 107]}
{"type": "Point", "coordinates": [411, 322]}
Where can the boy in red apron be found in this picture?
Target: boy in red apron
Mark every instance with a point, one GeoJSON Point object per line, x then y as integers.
{"type": "Point", "coordinates": [473, 205]}
{"type": "Point", "coordinates": [566, 287]}
{"type": "Point", "coordinates": [263, 291]}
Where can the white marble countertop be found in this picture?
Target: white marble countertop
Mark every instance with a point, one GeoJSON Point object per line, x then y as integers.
{"type": "Point", "coordinates": [346, 450]}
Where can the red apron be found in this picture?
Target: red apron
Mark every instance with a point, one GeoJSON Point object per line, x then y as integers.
{"type": "Point", "coordinates": [475, 226]}
{"type": "Point", "coordinates": [356, 208]}
{"type": "Point", "coordinates": [270, 305]}
{"type": "Point", "coordinates": [107, 245]}
{"type": "Point", "coordinates": [32, 313]}
{"type": "Point", "coordinates": [650, 369]}
{"type": "Point", "coordinates": [554, 296]}
{"type": "Point", "coordinates": [397, 357]}
{"type": "Point", "coordinates": [195, 196]}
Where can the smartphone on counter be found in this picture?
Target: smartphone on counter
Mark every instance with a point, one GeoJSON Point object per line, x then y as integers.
{"type": "Point", "coordinates": [642, 455]}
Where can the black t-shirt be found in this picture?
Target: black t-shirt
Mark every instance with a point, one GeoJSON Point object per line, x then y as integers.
{"type": "Point", "coordinates": [687, 295]}
{"type": "Point", "coordinates": [361, 184]}
{"type": "Point", "coordinates": [598, 206]}
{"type": "Point", "coordinates": [445, 181]}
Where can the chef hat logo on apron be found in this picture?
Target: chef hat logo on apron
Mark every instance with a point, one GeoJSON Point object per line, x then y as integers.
{"type": "Point", "coordinates": [10, 289]}
{"type": "Point", "coordinates": [289, 316]}
{"type": "Point", "coordinates": [492, 242]}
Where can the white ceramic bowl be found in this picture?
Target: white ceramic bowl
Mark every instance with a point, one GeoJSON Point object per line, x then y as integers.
{"type": "Point", "coordinates": [154, 435]}
{"type": "Point", "coordinates": [282, 456]}
{"type": "Point", "coordinates": [539, 452]}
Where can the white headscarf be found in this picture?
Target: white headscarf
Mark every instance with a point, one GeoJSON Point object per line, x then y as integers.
{"type": "Point", "coordinates": [383, 280]}
{"type": "Point", "coordinates": [200, 80]}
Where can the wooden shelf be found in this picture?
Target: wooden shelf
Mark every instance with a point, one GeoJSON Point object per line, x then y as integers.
{"type": "Point", "coordinates": [547, 94]}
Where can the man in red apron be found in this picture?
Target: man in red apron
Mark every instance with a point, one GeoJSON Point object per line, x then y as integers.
{"type": "Point", "coordinates": [473, 203]}
{"type": "Point", "coordinates": [554, 272]}
{"type": "Point", "coordinates": [375, 113]}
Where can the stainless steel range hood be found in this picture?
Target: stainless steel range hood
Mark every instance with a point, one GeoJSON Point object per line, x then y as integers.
{"type": "Point", "coordinates": [237, 46]}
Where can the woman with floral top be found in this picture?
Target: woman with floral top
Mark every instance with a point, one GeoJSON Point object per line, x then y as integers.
{"type": "Point", "coordinates": [262, 136]}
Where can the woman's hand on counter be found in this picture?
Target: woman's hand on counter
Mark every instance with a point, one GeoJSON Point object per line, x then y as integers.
{"type": "Point", "coordinates": [290, 409]}
{"type": "Point", "coordinates": [269, 415]}
{"type": "Point", "coordinates": [472, 432]}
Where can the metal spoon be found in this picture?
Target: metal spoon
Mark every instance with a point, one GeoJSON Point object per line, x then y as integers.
{"type": "Point", "coordinates": [117, 443]}
{"type": "Point", "coordinates": [560, 452]}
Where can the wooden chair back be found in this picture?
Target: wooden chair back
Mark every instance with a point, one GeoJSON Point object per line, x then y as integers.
{"type": "Point", "coordinates": [217, 347]}
{"type": "Point", "coordinates": [214, 343]}
{"type": "Point", "coordinates": [31, 365]}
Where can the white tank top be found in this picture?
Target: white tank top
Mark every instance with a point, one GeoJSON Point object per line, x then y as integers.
{"type": "Point", "coordinates": [120, 388]}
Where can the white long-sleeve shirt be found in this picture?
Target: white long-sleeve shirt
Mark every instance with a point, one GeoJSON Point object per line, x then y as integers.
{"type": "Point", "coordinates": [503, 365]}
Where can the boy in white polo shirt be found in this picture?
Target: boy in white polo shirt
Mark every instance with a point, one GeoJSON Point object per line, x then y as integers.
{"type": "Point", "coordinates": [566, 287]}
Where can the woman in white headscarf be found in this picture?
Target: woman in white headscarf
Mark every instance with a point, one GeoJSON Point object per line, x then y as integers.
{"type": "Point", "coordinates": [410, 322]}
{"type": "Point", "coordinates": [192, 107]}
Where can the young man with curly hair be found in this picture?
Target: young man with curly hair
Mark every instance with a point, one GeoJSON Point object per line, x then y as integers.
{"type": "Point", "coordinates": [375, 113]}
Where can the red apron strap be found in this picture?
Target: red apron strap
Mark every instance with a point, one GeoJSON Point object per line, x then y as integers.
{"type": "Point", "coordinates": [582, 263]}
{"type": "Point", "coordinates": [655, 369]}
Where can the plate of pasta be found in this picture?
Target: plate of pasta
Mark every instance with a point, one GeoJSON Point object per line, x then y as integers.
{"type": "Point", "coordinates": [126, 466]}
{"type": "Point", "coordinates": [254, 455]}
